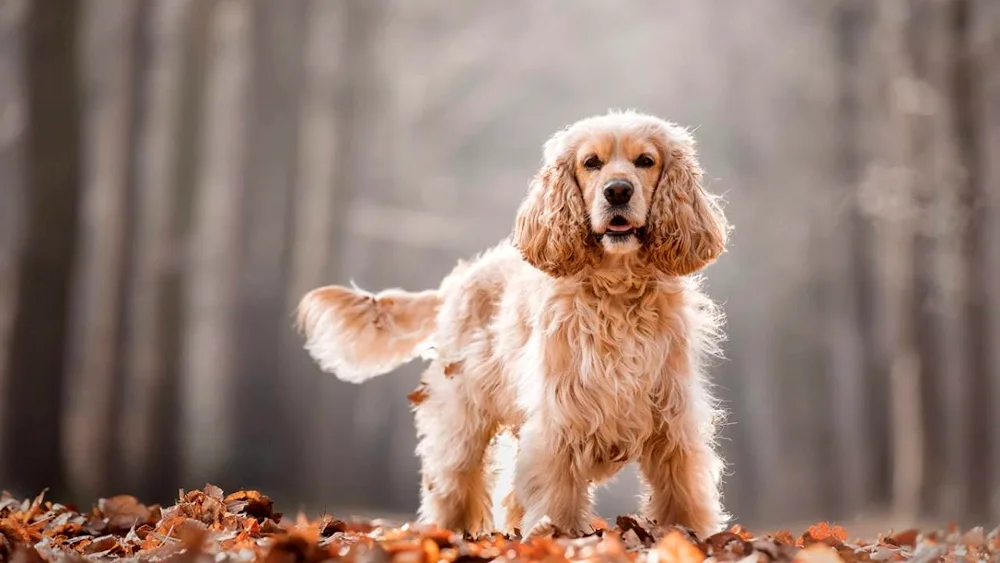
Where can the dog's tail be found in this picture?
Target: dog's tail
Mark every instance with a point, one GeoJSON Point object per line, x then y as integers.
{"type": "Point", "coordinates": [358, 335]}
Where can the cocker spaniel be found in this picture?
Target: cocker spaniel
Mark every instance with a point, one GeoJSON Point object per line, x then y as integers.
{"type": "Point", "coordinates": [585, 334]}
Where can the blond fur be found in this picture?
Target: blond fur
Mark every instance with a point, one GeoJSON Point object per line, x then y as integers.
{"type": "Point", "coordinates": [590, 351]}
{"type": "Point", "coordinates": [358, 335]}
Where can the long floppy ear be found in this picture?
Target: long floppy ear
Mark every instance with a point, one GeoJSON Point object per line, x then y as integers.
{"type": "Point", "coordinates": [551, 228]}
{"type": "Point", "coordinates": [688, 229]}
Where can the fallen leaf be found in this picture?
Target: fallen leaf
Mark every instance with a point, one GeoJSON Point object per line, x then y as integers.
{"type": "Point", "coordinates": [675, 548]}
{"type": "Point", "coordinates": [906, 537]}
{"type": "Point", "coordinates": [418, 395]}
{"type": "Point", "coordinates": [252, 503]}
{"type": "Point", "coordinates": [818, 553]}
{"type": "Point", "coordinates": [823, 532]}
{"type": "Point", "coordinates": [123, 512]}
{"type": "Point", "coordinates": [452, 368]}
{"type": "Point", "coordinates": [629, 523]}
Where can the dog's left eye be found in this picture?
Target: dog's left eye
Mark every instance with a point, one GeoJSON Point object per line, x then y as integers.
{"type": "Point", "coordinates": [593, 163]}
{"type": "Point", "coordinates": [644, 161]}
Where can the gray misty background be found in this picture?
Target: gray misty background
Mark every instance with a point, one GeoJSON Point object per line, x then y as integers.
{"type": "Point", "coordinates": [175, 174]}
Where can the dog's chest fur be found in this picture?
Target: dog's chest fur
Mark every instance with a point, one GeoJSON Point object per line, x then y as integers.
{"type": "Point", "coordinates": [610, 375]}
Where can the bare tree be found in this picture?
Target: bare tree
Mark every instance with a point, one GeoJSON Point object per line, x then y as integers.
{"type": "Point", "coordinates": [937, 328]}
{"type": "Point", "coordinates": [210, 308]}
{"type": "Point", "coordinates": [966, 81]}
{"type": "Point", "coordinates": [852, 427]}
{"type": "Point", "coordinates": [109, 31]}
{"type": "Point", "coordinates": [34, 390]}
{"type": "Point", "coordinates": [946, 397]}
{"type": "Point", "coordinates": [275, 90]}
{"type": "Point", "coordinates": [168, 435]}
{"type": "Point", "coordinates": [154, 244]}
{"type": "Point", "coordinates": [314, 217]}
{"type": "Point", "coordinates": [12, 117]}
{"type": "Point", "coordinates": [984, 50]}
{"type": "Point", "coordinates": [895, 210]}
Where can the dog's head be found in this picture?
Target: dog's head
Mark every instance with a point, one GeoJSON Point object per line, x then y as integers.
{"type": "Point", "coordinates": [620, 183]}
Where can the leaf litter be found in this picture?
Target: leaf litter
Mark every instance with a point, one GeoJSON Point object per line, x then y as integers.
{"type": "Point", "coordinates": [209, 526]}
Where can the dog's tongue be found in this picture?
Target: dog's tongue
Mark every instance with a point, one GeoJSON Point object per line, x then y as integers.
{"type": "Point", "coordinates": [622, 228]}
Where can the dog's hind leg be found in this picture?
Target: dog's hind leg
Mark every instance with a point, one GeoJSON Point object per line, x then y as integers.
{"type": "Point", "coordinates": [454, 440]}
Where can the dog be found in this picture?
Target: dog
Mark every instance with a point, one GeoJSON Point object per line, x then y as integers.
{"type": "Point", "coordinates": [585, 335]}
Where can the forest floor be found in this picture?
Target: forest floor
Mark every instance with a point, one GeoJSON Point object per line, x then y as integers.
{"type": "Point", "coordinates": [210, 526]}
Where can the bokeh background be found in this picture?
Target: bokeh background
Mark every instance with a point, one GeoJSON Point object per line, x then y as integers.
{"type": "Point", "coordinates": [175, 174]}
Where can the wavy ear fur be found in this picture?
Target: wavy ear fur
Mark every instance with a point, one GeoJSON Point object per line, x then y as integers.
{"type": "Point", "coordinates": [551, 228]}
{"type": "Point", "coordinates": [688, 229]}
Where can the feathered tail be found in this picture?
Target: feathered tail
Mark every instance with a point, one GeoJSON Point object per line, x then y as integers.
{"type": "Point", "coordinates": [358, 335]}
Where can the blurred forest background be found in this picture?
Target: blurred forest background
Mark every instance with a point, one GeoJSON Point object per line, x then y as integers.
{"type": "Point", "coordinates": [175, 174]}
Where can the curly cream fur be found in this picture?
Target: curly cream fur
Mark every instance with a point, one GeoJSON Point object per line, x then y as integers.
{"type": "Point", "coordinates": [358, 335]}
{"type": "Point", "coordinates": [592, 354]}
{"type": "Point", "coordinates": [694, 230]}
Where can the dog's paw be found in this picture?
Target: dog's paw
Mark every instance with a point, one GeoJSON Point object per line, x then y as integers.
{"type": "Point", "coordinates": [477, 535]}
{"type": "Point", "coordinates": [545, 527]}
{"type": "Point", "coordinates": [542, 528]}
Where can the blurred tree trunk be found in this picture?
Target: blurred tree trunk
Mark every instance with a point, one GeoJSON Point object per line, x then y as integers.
{"type": "Point", "coordinates": [766, 440]}
{"type": "Point", "coordinates": [853, 439]}
{"type": "Point", "coordinates": [208, 415]}
{"type": "Point", "coordinates": [937, 325]}
{"type": "Point", "coordinates": [167, 452]}
{"type": "Point", "coordinates": [110, 48]}
{"type": "Point", "coordinates": [365, 122]}
{"type": "Point", "coordinates": [984, 46]}
{"type": "Point", "coordinates": [12, 188]}
{"type": "Point", "coordinates": [34, 391]}
{"type": "Point", "coordinates": [275, 86]}
{"type": "Point", "coordinates": [316, 210]}
{"type": "Point", "coordinates": [969, 115]}
{"type": "Point", "coordinates": [939, 97]}
{"type": "Point", "coordinates": [862, 78]}
{"type": "Point", "coordinates": [895, 209]}
{"type": "Point", "coordinates": [154, 245]}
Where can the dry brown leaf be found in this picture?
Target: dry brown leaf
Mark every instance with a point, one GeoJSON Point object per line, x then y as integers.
{"type": "Point", "coordinates": [123, 512]}
{"type": "Point", "coordinates": [252, 503]}
{"type": "Point", "coordinates": [823, 532]}
{"type": "Point", "coordinates": [210, 523]}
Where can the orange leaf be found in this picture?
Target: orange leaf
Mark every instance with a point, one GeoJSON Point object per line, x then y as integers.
{"type": "Point", "coordinates": [818, 553]}
{"type": "Point", "coordinates": [783, 537]}
{"type": "Point", "coordinates": [675, 548]}
{"type": "Point", "coordinates": [906, 537]}
{"type": "Point", "coordinates": [823, 532]}
{"type": "Point", "coordinates": [418, 395]}
{"type": "Point", "coordinates": [741, 532]}
{"type": "Point", "coordinates": [432, 553]}
{"type": "Point", "coordinates": [599, 523]}
{"type": "Point", "coordinates": [451, 369]}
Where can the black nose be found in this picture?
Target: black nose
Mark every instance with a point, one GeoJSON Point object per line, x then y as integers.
{"type": "Point", "coordinates": [618, 192]}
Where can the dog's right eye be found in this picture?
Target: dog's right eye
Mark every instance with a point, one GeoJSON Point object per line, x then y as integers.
{"type": "Point", "coordinates": [644, 161]}
{"type": "Point", "coordinates": [593, 163]}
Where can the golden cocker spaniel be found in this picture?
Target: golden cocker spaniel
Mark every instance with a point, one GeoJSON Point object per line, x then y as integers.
{"type": "Point", "coordinates": [585, 335]}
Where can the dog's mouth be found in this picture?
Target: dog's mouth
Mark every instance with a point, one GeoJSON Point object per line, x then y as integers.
{"type": "Point", "coordinates": [619, 228]}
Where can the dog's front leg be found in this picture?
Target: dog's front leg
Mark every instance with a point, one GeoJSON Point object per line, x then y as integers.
{"type": "Point", "coordinates": [548, 484]}
{"type": "Point", "coordinates": [682, 473]}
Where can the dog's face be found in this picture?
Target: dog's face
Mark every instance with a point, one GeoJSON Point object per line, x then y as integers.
{"type": "Point", "coordinates": [622, 183]}
{"type": "Point", "coordinates": [617, 172]}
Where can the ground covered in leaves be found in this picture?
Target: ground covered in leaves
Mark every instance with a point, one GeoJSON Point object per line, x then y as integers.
{"type": "Point", "coordinates": [208, 525]}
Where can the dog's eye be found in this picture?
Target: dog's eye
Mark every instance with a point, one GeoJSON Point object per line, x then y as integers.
{"type": "Point", "coordinates": [644, 161]}
{"type": "Point", "coordinates": [593, 163]}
